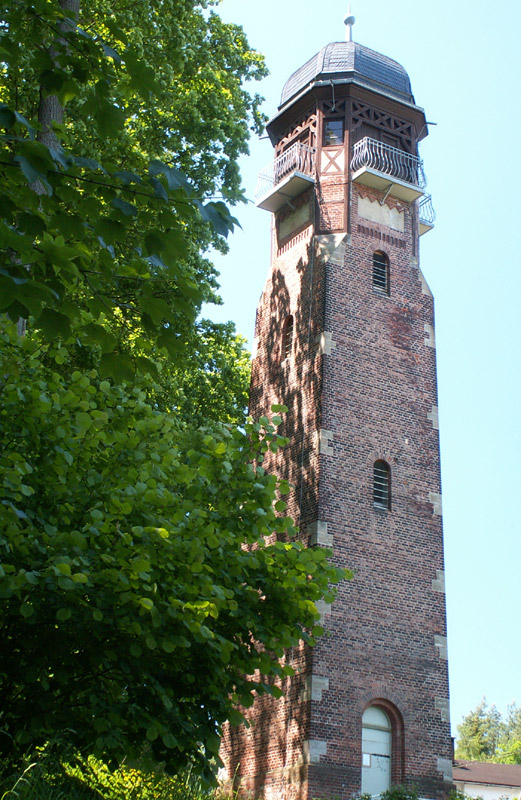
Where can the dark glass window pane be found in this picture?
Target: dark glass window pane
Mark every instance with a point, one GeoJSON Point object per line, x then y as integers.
{"type": "Point", "coordinates": [381, 272]}
{"type": "Point", "coordinates": [333, 132]}
{"type": "Point", "coordinates": [381, 485]}
{"type": "Point", "coordinates": [287, 343]}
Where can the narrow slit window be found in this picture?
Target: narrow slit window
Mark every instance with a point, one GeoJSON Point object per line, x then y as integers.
{"type": "Point", "coordinates": [287, 339]}
{"type": "Point", "coordinates": [381, 272]}
{"type": "Point", "coordinates": [382, 485]}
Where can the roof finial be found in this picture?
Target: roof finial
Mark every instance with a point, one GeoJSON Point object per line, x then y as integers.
{"type": "Point", "coordinates": [349, 21]}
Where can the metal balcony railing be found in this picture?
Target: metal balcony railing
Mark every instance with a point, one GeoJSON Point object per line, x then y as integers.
{"type": "Point", "coordinates": [388, 160]}
{"type": "Point", "coordinates": [297, 158]}
{"type": "Point", "coordinates": [426, 211]}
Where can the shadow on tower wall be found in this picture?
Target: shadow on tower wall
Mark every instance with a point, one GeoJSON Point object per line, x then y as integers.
{"type": "Point", "coordinates": [267, 759]}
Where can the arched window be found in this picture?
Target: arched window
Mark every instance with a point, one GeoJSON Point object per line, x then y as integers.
{"type": "Point", "coordinates": [377, 737]}
{"type": "Point", "coordinates": [381, 272]}
{"type": "Point", "coordinates": [382, 485]}
{"type": "Point", "coordinates": [287, 337]}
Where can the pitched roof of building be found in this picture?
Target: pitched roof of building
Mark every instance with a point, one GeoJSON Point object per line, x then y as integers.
{"type": "Point", "coordinates": [485, 772]}
{"type": "Point", "coordinates": [366, 66]}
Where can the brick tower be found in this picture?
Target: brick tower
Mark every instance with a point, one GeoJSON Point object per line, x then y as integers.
{"type": "Point", "coordinates": [345, 338]}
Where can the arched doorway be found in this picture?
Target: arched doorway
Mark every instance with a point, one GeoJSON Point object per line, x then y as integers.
{"type": "Point", "coordinates": [376, 751]}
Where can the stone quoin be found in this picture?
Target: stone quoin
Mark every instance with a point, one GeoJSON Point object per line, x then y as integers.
{"type": "Point", "coordinates": [345, 338]}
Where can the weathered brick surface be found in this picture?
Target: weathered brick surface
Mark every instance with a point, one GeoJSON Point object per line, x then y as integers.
{"type": "Point", "coordinates": [369, 397]}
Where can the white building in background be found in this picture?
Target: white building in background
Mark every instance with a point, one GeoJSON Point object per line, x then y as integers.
{"type": "Point", "coordinates": [489, 781]}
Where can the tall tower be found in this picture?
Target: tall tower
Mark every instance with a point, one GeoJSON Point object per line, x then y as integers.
{"type": "Point", "coordinates": [345, 338]}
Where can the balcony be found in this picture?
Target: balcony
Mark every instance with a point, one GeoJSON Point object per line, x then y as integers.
{"type": "Point", "coordinates": [426, 214]}
{"type": "Point", "coordinates": [388, 169]}
{"type": "Point", "coordinates": [286, 177]}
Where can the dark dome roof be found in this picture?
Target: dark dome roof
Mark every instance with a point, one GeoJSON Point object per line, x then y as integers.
{"type": "Point", "coordinates": [366, 67]}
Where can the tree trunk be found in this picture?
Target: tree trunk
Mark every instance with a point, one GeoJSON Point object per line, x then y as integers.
{"type": "Point", "coordinates": [50, 110]}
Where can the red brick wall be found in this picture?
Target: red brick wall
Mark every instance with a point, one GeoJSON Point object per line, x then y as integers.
{"type": "Point", "coordinates": [379, 387]}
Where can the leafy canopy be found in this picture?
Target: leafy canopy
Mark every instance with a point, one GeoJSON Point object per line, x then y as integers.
{"type": "Point", "coordinates": [109, 245]}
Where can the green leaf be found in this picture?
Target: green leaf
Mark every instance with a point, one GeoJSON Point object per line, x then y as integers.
{"type": "Point", "coordinates": [68, 91]}
{"type": "Point", "coordinates": [127, 208]}
{"type": "Point", "coordinates": [127, 177]}
{"type": "Point", "coordinates": [147, 603]}
{"type": "Point", "coordinates": [110, 121]}
{"type": "Point", "coordinates": [154, 242]}
{"type": "Point", "coordinates": [53, 323]}
{"type": "Point", "coordinates": [32, 174]}
{"type": "Point", "coordinates": [119, 367]}
{"type": "Point", "coordinates": [97, 334]}
{"type": "Point", "coordinates": [63, 614]}
{"type": "Point", "coordinates": [175, 178]}
{"type": "Point", "coordinates": [156, 308]}
{"type": "Point", "coordinates": [110, 230]}
{"type": "Point", "coordinates": [26, 610]}
{"type": "Point", "coordinates": [169, 741]}
{"type": "Point", "coordinates": [152, 733]}
{"type": "Point", "coordinates": [213, 743]}
{"type": "Point", "coordinates": [7, 117]}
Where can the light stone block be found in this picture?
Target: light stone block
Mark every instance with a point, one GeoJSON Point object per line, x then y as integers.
{"type": "Point", "coordinates": [441, 704]}
{"type": "Point", "coordinates": [381, 214]}
{"type": "Point", "coordinates": [324, 609]}
{"type": "Point", "coordinates": [430, 339]}
{"type": "Point", "coordinates": [313, 749]}
{"type": "Point", "coordinates": [315, 686]}
{"type": "Point", "coordinates": [434, 418]}
{"type": "Point", "coordinates": [435, 499]}
{"type": "Point", "coordinates": [444, 765]}
{"type": "Point", "coordinates": [319, 535]}
{"type": "Point", "coordinates": [296, 219]}
{"type": "Point", "coordinates": [440, 642]}
{"type": "Point", "coordinates": [326, 344]}
{"type": "Point", "coordinates": [438, 585]}
{"type": "Point", "coordinates": [319, 685]}
{"type": "Point", "coordinates": [331, 247]}
{"type": "Point", "coordinates": [325, 439]}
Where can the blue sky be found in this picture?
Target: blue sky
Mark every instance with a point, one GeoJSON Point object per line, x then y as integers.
{"type": "Point", "coordinates": [464, 61]}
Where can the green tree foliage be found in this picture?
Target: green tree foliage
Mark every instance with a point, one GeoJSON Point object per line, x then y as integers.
{"type": "Point", "coordinates": [111, 240]}
{"type": "Point", "coordinates": [144, 556]}
{"type": "Point", "coordinates": [510, 745]}
{"type": "Point", "coordinates": [485, 736]}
